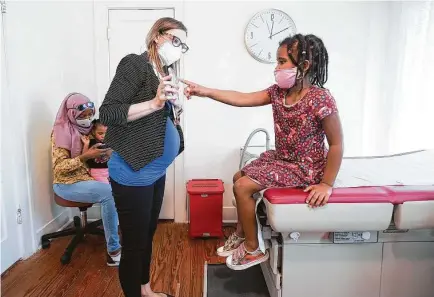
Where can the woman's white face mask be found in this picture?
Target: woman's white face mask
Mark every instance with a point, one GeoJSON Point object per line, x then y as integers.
{"type": "Point", "coordinates": [85, 123]}
{"type": "Point", "coordinates": [169, 53]}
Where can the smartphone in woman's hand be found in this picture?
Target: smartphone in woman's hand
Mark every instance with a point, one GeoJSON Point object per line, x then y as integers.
{"type": "Point", "coordinates": [175, 81]}
{"type": "Point", "coordinates": [103, 146]}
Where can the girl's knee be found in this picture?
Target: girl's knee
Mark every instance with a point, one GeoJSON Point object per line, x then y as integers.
{"type": "Point", "coordinates": [237, 176]}
{"type": "Point", "coordinates": [246, 186]}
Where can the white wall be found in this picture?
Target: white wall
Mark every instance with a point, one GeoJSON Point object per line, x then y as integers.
{"type": "Point", "coordinates": [51, 53]}
{"type": "Point", "coordinates": [412, 44]}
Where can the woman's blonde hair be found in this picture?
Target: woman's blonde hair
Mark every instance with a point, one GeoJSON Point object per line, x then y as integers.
{"type": "Point", "coordinates": [159, 28]}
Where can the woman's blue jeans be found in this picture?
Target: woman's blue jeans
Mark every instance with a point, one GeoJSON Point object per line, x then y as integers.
{"type": "Point", "coordinates": [95, 192]}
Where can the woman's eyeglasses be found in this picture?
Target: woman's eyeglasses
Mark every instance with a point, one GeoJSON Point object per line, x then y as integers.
{"type": "Point", "coordinates": [177, 42]}
{"type": "Point", "coordinates": [84, 106]}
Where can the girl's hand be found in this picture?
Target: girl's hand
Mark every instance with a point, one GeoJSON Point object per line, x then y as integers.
{"type": "Point", "coordinates": [319, 194]}
{"type": "Point", "coordinates": [85, 139]}
{"type": "Point", "coordinates": [166, 91]}
{"type": "Point", "coordinates": [193, 89]}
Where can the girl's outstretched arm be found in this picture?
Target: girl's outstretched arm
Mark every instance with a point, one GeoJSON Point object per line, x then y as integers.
{"type": "Point", "coordinates": [233, 98]}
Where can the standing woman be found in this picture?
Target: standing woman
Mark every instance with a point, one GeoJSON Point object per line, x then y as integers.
{"type": "Point", "coordinates": [142, 117]}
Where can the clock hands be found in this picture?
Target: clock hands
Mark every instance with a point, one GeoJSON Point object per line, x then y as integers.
{"type": "Point", "coordinates": [279, 32]}
{"type": "Point", "coordinates": [268, 28]}
{"type": "Point", "coordinates": [271, 31]}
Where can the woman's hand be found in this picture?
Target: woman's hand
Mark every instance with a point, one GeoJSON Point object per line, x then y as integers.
{"type": "Point", "coordinates": [109, 153]}
{"type": "Point", "coordinates": [166, 91]}
{"type": "Point", "coordinates": [193, 89]}
{"type": "Point", "coordinates": [319, 194]}
{"type": "Point", "coordinates": [85, 139]}
{"type": "Point", "coordinates": [94, 152]}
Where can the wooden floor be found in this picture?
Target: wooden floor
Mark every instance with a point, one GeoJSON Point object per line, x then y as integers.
{"type": "Point", "coordinates": [177, 259]}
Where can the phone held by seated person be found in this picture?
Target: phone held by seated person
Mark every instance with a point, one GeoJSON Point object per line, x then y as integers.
{"type": "Point", "coordinates": [103, 146]}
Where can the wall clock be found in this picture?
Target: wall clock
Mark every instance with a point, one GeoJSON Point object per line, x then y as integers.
{"type": "Point", "coordinates": [264, 32]}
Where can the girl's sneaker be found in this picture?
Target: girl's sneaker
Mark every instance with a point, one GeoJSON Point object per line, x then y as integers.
{"type": "Point", "coordinates": [231, 244]}
{"type": "Point", "coordinates": [242, 259]}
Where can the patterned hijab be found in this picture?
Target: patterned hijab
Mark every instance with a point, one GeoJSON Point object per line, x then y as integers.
{"type": "Point", "coordinates": [67, 133]}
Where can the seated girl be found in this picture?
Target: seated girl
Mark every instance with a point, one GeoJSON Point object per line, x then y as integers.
{"type": "Point", "coordinates": [98, 166]}
{"type": "Point", "coordinates": [305, 115]}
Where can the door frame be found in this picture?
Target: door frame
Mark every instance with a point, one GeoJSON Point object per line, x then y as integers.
{"type": "Point", "coordinates": [19, 178]}
{"type": "Point", "coordinates": [101, 20]}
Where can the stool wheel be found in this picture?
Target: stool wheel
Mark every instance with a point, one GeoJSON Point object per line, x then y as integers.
{"type": "Point", "coordinates": [77, 222]}
{"type": "Point", "coordinates": [45, 244]}
{"type": "Point", "coordinates": [65, 259]}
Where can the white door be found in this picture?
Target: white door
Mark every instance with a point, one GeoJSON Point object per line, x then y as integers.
{"type": "Point", "coordinates": [127, 30]}
{"type": "Point", "coordinates": [9, 232]}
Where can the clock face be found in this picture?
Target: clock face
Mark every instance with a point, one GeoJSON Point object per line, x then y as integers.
{"type": "Point", "coordinates": [264, 32]}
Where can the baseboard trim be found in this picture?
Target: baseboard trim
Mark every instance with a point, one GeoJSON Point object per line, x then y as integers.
{"type": "Point", "coordinates": [58, 223]}
{"type": "Point", "coordinates": [67, 224]}
{"type": "Point", "coordinates": [230, 214]}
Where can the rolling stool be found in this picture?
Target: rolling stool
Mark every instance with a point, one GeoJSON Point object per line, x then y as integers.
{"type": "Point", "coordinates": [80, 229]}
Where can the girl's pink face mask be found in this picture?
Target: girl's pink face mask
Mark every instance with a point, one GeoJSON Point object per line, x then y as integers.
{"type": "Point", "coordinates": [285, 78]}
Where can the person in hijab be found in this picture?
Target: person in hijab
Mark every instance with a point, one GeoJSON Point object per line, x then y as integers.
{"type": "Point", "coordinates": [71, 178]}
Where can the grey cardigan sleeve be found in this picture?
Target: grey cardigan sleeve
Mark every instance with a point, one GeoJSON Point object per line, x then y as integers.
{"type": "Point", "coordinates": [125, 85]}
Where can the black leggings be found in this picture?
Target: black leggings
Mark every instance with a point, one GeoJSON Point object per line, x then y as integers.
{"type": "Point", "coordinates": [138, 210]}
